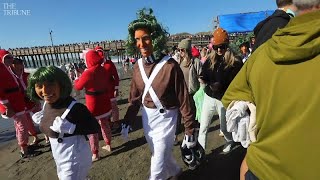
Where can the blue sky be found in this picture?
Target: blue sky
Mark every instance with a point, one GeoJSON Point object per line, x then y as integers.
{"type": "Point", "coordinates": [96, 20]}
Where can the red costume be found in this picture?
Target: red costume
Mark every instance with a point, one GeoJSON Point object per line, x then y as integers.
{"type": "Point", "coordinates": [109, 66]}
{"type": "Point", "coordinates": [10, 93]}
{"type": "Point", "coordinates": [114, 79]}
{"type": "Point", "coordinates": [9, 88]}
{"type": "Point", "coordinates": [30, 105]}
{"type": "Point", "coordinates": [97, 89]}
{"type": "Point", "coordinates": [96, 86]}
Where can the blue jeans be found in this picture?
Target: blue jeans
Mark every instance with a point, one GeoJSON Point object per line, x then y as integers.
{"type": "Point", "coordinates": [250, 176]}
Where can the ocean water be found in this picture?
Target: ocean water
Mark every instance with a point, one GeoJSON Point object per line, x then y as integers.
{"type": "Point", "coordinates": [7, 131]}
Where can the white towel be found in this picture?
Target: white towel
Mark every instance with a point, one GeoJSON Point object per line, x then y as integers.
{"type": "Point", "coordinates": [235, 110]}
{"type": "Point", "coordinates": [240, 124]}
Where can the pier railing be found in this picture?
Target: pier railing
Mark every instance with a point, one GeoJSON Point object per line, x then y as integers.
{"type": "Point", "coordinates": [47, 55]}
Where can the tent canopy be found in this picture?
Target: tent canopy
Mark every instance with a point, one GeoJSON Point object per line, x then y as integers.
{"type": "Point", "coordinates": [243, 22]}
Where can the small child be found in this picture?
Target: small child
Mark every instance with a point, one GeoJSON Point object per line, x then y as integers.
{"type": "Point", "coordinates": [65, 121]}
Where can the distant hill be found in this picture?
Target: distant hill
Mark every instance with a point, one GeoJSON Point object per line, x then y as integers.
{"type": "Point", "coordinates": [189, 34]}
{"type": "Point", "coordinates": [209, 33]}
{"type": "Point", "coordinates": [182, 34]}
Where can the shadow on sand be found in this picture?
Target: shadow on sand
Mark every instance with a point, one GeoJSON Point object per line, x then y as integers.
{"type": "Point", "coordinates": [218, 165]}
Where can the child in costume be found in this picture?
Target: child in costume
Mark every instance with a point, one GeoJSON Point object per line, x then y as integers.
{"type": "Point", "coordinates": [65, 121]}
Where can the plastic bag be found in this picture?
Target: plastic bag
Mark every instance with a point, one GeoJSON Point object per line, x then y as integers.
{"type": "Point", "coordinates": [198, 99]}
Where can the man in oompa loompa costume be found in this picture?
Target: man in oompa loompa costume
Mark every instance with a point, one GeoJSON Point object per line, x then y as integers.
{"type": "Point", "coordinates": [159, 87]}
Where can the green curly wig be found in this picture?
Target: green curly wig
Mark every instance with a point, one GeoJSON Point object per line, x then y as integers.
{"type": "Point", "coordinates": [147, 20]}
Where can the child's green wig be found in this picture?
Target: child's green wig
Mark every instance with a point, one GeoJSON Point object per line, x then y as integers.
{"type": "Point", "coordinates": [49, 74]}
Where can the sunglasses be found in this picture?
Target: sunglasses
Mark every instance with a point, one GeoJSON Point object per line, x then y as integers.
{"type": "Point", "coordinates": [182, 50]}
{"type": "Point", "coordinates": [220, 46]}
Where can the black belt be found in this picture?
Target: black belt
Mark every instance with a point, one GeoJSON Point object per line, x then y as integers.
{"type": "Point", "coordinates": [60, 140]}
{"type": "Point", "coordinates": [56, 135]}
{"type": "Point", "coordinates": [94, 93]}
{"type": "Point", "coordinates": [11, 90]}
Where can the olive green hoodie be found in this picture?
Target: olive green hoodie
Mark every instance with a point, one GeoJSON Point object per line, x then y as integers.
{"type": "Point", "coordinates": [282, 79]}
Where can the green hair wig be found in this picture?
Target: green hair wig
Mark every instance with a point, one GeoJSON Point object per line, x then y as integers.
{"type": "Point", "coordinates": [159, 36]}
{"type": "Point", "coordinates": [49, 74]}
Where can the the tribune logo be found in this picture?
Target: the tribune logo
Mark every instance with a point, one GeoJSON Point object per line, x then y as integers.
{"type": "Point", "coordinates": [10, 9]}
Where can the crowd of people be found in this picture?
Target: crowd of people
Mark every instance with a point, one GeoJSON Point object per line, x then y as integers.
{"type": "Point", "coordinates": [255, 96]}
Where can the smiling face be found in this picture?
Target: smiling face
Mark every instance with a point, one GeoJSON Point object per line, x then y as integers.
{"type": "Point", "coordinates": [48, 91]}
{"type": "Point", "coordinates": [182, 53]}
{"type": "Point", "coordinates": [143, 42]}
{"type": "Point", "coordinates": [244, 50]}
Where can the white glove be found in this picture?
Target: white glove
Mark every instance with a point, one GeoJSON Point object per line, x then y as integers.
{"type": "Point", "coordinates": [37, 117]}
{"type": "Point", "coordinates": [189, 141]}
{"type": "Point", "coordinates": [62, 126]}
{"type": "Point", "coordinates": [125, 131]}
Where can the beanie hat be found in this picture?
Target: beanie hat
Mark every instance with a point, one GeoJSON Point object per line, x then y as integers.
{"type": "Point", "coordinates": [220, 36]}
{"type": "Point", "coordinates": [185, 44]}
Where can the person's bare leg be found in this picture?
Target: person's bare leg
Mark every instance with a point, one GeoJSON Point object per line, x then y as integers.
{"type": "Point", "coordinates": [243, 169]}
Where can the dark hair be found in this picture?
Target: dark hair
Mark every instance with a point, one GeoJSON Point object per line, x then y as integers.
{"type": "Point", "coordinates": [305, 4]}
{"type": "Point", "coordinates": [50, 74]}
{"type": "Point", "coordinates": [282, 3]}
{"type": "Point", "coordinates": [17, 60]}
{"type": "Point", "coordinates": [246, 44]}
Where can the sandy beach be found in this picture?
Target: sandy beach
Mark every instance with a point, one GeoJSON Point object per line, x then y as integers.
{"type": "Point", "coordinates": [127, 161]}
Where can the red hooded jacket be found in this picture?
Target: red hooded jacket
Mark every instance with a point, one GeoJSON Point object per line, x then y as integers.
{"type": "Point", "coordinates": [110, 67]}
{"type": "Point", "coordinates": [96, 85]}
{"type": "Point", "coordinates": [23, 83]}
{"type": "Point", "coordinates": [9, 88]}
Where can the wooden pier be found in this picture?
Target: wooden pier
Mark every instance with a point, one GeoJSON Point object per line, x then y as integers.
{"type": "Point", "coordinates": [47, 55]}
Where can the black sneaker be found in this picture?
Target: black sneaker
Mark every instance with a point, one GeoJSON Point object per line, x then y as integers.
{"type": "Point", "coordinates": [29, 155]}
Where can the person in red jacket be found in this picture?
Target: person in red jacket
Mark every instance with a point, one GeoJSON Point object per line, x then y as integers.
{"type": "Point", "coordinates": [12, 101]}
{"type": "Point", "coordinates": [114, 79]}
{"type": "Point", "coordinates": [17, 68]}
{"type": "Point", "coordinates": [97, 90]}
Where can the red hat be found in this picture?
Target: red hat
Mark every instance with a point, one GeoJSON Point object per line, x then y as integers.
{"type": "Point", "coordinates": [93, 58]}
{"type": "Point", "coordinates": [99, 49]}
{"type": "Point", "coordinates": [220, 36]}
{"type": "Point", "coordinates": [3, 54]}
